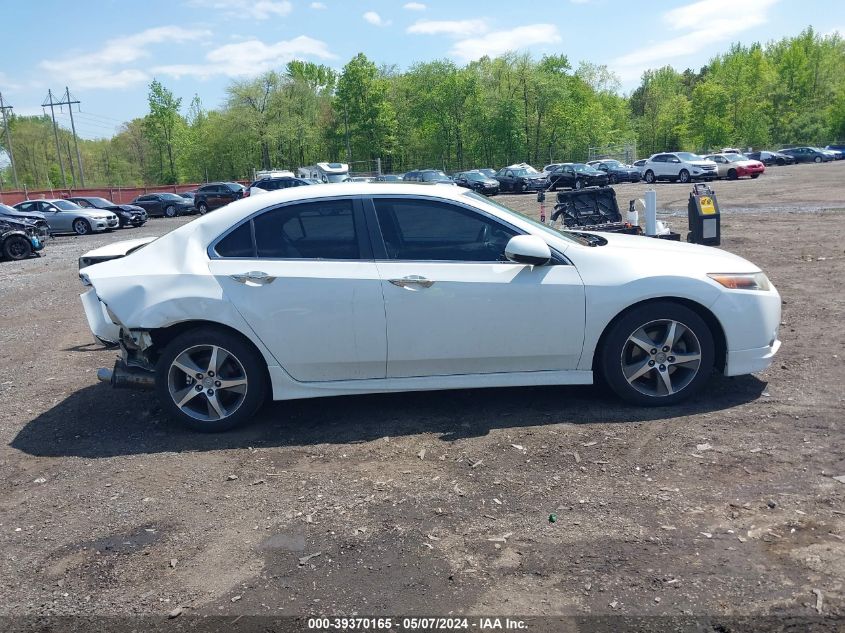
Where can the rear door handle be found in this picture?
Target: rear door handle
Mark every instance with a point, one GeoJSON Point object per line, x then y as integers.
{"type": "Point", "coordinates": [254, 276]}
{"type": "Point", "coordinates": [412, 280]}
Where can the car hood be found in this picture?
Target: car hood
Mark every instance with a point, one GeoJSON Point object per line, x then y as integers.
{"type": "Point", "coordinates": [32, 215]}
{"type": "Point", "coordinates": [130, 208]}
{"type": "Point", "coordinates": [667, 256]}
{"type": "Point", "coordinates": [702, 163]}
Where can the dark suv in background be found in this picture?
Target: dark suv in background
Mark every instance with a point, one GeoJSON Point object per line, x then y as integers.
{"type": "Point", "coordinates": [217, 194]}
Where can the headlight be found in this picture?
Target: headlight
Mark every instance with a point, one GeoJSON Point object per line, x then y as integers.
{"type": "Point", "coordinates": [742, 281]}
{"type": "Point", "coordinates": [84, 279]}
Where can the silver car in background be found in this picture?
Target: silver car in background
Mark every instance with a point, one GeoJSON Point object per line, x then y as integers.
{"type": "Point", "coordinates": [64, 216]}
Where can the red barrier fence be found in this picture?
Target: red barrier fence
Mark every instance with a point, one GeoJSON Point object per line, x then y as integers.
{"type": "Point", "coordinates": [119, 195]}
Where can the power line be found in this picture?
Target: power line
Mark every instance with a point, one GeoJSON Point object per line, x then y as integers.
{"type": "Point", "coordinates": [3, 108]}
{"type": "Point", "coordinates": [69, 103]}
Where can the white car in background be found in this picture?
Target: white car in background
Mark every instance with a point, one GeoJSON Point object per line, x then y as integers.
{"type": "Point", "coordinates": [381, 287]}
{"type": "Point", "coordinates": [678, 166]}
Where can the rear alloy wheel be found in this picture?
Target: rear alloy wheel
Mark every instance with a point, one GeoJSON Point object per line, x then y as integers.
{"type": "Point", "coordinates": [649, 177]}
{"type": "Point", "coordinates": [202, 207]}
{"type": "Point", "coordinates": [17, 247]}
{"type": "Point", "coordinates": [683, 176]}
{"type": "Point", "coordinates": [210, 380]}
{"type": "Point", "coordinates": [81, 226]}
{"type": "Point", "coordinates": [817, 159]}
{"type": "Point", "coordinates": [732, 175]}
{"type": "Point", "coordinates": [170, 211]}
{"type": "Point", "coordinates": [657, 354]}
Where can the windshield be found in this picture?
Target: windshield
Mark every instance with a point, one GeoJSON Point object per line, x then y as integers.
{"type": "Point", "coordinates": [524, 172]}
{"type": "Point", "coordinates": [475, 177]}
{"type": "Point", "coordinates": [335, 177]}
{"type": "Point", "coordinates": [100, 203]}
{"type": "Point", "coordinates": [734, 158]}
{"type": "Point", "coordinates": [581, 168]}
{"type": "Point", "coordinates": [233, 186]}
{"type": "Point", "coordinates": [613, 163]}
{"type": "Point", "coordinates": [546, 229]}
{"type": "Point", "coordinates": [688, 156]}
{"type": "Point", "coordinates": [7, 209]}
{"type": "Point", "coordinates": [64, 204]}
{"type": "Point", "coordinates": [172, 196]}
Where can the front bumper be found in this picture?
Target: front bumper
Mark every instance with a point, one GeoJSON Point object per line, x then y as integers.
{"type": "Point", "coordinates": [102, 328]}
{"type": "Point", "coordinates": [535, 185]}
{"type": "Point", "coordinates": [104, 225]}
{"type": "Point", "coordinates": [748, 361]}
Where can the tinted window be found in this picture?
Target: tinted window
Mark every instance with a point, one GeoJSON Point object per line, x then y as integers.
{"type": "Point", "coordinates": [316, 230]}
{"type": "Point", "coordinates": [428, 230]}
{"type": "Point", "coordinates": [207, 189]}
{"type": "Point", "coordinates": [237, 244]}
{"type": "Point", "coordinates": [28, 206]}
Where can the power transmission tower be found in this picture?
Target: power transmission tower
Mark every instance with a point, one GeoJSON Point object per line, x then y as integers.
{"type": "Point", "coordinates": [49, 102]}
{"type": "Point", "coordinates": [73, 129]}
{"type": "Point", "coordinates": [3, 108]}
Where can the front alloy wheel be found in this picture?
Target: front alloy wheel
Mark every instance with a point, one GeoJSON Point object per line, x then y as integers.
{"type": "Point", "coordinates": [683, 176]}
{"type": "Point", "coordinates": [210, 380]}
{"type": "Point", "coordinates": [170, 211]}
{"type": "Point", "coordinates": [657, 354]}
{"type": "Point", "coordinates": [81, 227]}
{"type": "Point", "coordinates": [649, 177]}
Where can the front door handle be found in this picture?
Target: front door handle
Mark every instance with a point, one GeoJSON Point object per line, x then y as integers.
{"type": "Point", "coordinates": [412, 280]}
{"type": "Point", "coordinates": [254, 276]}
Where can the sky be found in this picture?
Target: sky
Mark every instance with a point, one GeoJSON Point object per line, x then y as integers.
{"type": "Point", "coordinates": [108, 51]}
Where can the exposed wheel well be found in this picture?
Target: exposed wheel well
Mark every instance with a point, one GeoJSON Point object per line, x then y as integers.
{"type": "Point", "coordinates": [162, 336]}
{"type": "Point", "coordinates": [708, 317]}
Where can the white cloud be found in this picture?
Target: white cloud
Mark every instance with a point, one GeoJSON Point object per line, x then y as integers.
{"type": "Point", "coordinates": [708, 23]}
{"type": "Point", "coordinates": [499, 42]}
{"type": "Point", "coordinates": [257, 10]}
{"type": "Point", "coordinates": [375, 19]}
{"type": "Point", "coordinates": [457, 28]}
{"type": "Point", "coordinates": [319, 6]}
{"type": "Point", "coordinates": [102, 68]}
{"type": "Point", "coordinates": [6, 83]}
{"type": "Point", "coordinates": [250, 58]}
{"type": "Point", "coordinates": [414, 6]}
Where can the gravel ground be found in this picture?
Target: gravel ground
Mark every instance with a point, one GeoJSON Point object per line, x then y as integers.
{"type": "Point", "coordinates": [439, 503]}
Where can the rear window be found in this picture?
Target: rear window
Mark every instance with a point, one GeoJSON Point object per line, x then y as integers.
{"type": "Point", "coordinates": [238, 243]}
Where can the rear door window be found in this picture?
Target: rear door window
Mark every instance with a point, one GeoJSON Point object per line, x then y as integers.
{"type": "Point", "coordinates": [314, 230]}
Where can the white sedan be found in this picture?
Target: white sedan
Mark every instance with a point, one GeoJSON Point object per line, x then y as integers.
{"type": "Point", "coordinates": [363, 288]}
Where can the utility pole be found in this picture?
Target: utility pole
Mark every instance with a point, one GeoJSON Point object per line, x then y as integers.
{"type": "Point", "coordinates": [49, 102]}
{"type": "Point", "coordinates": [3, 108]}
{"type": "Point", "coordinates": [73, 129]}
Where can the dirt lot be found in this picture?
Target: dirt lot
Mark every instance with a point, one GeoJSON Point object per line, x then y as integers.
{"type": "Point", "coordinates": [439, 503]}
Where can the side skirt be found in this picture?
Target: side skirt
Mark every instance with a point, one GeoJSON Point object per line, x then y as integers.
{"type": "Point", "coordinates": [285, 388]}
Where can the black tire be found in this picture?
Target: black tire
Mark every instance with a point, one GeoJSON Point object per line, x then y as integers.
{"type": "Point", "coordinates": [81, 226]}
{"type": "Point", "coordinates": [732, 175]}
{"type": "Point", "coordinates": [247, 356]}
{"type": "Point", "coordinates": [170, 211]}
{"type": "Point", "coordinates": [683, 176]}
{"type": "Point", "coordinates": [616, 349]}
{"type": "Point", "coordinates": [781, 162]}
{"type": "Point", "coordinates": [649, 177]}
{"type": "Point", "coordinates": [817, 159]}
{"type": "Point", "coordinates": [755, 175]}
{"type": "Point", "coordinates": [17, 247]}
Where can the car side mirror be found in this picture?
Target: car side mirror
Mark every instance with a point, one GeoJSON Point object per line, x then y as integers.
{"type": "Point", "coordinates": [528, 249]}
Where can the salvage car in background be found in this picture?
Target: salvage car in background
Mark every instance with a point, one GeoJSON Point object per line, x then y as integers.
{"type": "Point", "coordinates": [376, 287]}
{"type": "Point", "coordinates": [733, 166]}
{"type": "Point", "coordinates": [807, 154]}
{"type": "Point", "coordinates": [127, 214]}
{"type": "Point", "coordinates": [678, 166]}
{"type": "Point", "coordinates": [520, 178]}
{"type": "Point", "coordinates": [19, 238]}
{"type": "Point", "coordinates": [616, 171]}
{"type": "Point", "coordinates": [274, 183]}
{"type": "Point", "coordinates": [477, 181]}
{"type": "Point", "coordinates": [771, 158]}
{"type": "Point", "coordinates": [427, 175]}
{"type": "Point", "coordinates": [576, 176]}
{"type": "Point", "coordinates": [67, 217]}
{"type": "Point", "coordinates": [167, 205]}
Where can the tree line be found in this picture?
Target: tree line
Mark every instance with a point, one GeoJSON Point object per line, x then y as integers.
{"type": "Point", "coordinates": [489, 112]}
